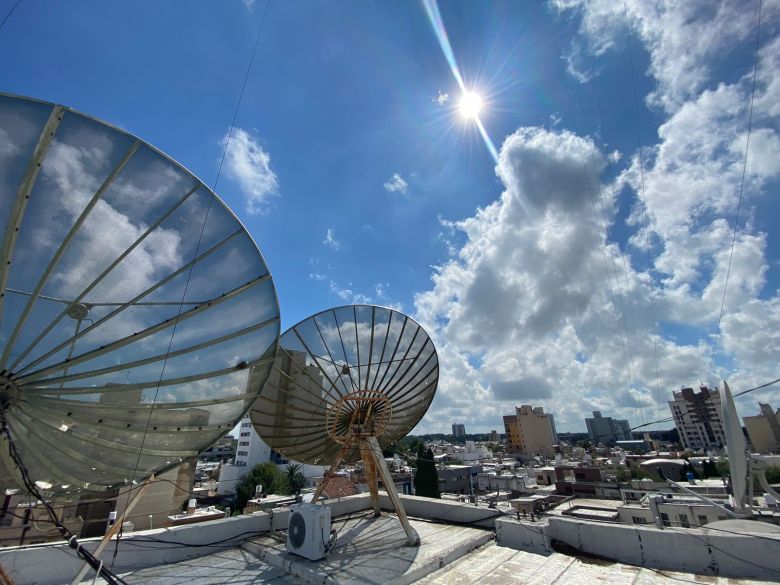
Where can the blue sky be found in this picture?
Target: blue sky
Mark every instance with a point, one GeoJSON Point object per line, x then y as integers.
{"type": "Point", "coordinates": [358, 185]}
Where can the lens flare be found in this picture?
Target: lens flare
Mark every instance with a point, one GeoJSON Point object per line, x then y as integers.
{"type": "Point", "coordinates": [470, 105]}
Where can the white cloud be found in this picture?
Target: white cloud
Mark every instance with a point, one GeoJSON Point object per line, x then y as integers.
{"type": "Point", "coordinates": [317, 276]}
{"type": "Point", "coordinates": [330, 239]}
{"type": "Point", "coordinates": [396, 184]}
{"type": "Point", "coordinates": [530, 308]}
{"type": "Point", "coordinates": [249, 4]}
{"type": "Point", "coordinates": [684, 39]}
{"type": "Point", "coordinates": [250, 166]}
{"type": "Point", "coordinates": [555, 119]}
{"type": "Point", "coordinates": [441, 99]}
{"type": "Point", "coordinates": [348, 295]}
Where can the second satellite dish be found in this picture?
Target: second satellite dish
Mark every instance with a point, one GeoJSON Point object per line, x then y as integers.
{"type": "Point", "coordinates": [346, 383]}
{"type": "Point", "coordinates": [139, 319]}
{"type": "Point", "coordinates": [342, 367]}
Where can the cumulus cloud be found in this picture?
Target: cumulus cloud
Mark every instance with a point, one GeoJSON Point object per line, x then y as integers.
{"type": "Point", "coordinates": [534, 305]}
{"type": "Point", "coordinates": [396, 184]}
{"type": "Point", "coordinates": [330, 239]}
{"type": "Point", "coordinates": [683, 40]}
{"type": "Point", "coordinates": [247, 163]}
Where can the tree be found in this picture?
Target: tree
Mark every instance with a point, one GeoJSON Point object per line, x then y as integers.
{"type": "Point", "coordinates": [265, 474]}
{"type": "Point", "coordinates": [295, 479]}
{"type": "Point", "coordinates": [708, 469]}
{"type": "Point", "coordinates": [426, 480]}
{"type": "Point", "coordinates": [773, 474]}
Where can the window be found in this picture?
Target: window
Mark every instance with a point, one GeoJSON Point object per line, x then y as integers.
{"type": "Point", "coordinates": [702, 519]}
{"type": "Point", "coordinates": [639, 520]}
{"type": "Point", "coordinates": [246, 424]}
{"type": "Point", "coordinates": [683, 518]}
{"type": "Point", "coordinates": [242, 453]}
{"type": "Point", "coordinates": [246, 434]}
{"type": "Point", "coordinates": [665, 519]}
{"type": "Point", "coordinates": [244, 444]}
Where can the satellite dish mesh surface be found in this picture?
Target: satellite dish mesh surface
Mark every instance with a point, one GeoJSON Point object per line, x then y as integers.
{"type": "Point", "coordinates": [139, 319]}
{"type": "Point", "coordinates": [345, 368]}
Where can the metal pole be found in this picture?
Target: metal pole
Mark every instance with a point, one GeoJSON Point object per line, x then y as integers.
{"type": "Point", "coordinates": [112, 531]}
{"type": "Point", "coordinates": [412, 537]}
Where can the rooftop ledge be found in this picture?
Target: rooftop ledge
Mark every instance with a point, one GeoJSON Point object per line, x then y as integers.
{"type": "Point", "coordinates": [456, 539]}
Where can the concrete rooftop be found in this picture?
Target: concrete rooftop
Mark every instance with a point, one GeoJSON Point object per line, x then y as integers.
{"type": "Point", "coordinates": [373, 551]}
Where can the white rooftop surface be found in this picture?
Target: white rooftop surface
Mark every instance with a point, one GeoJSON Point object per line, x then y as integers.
{"type": "Point", "coordinates": [373, 551]}
{"type": "Point", "coordinates": [500, 565]}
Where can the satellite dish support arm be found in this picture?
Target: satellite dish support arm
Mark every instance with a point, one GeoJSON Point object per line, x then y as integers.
{"type": "Point", "coordinates": [381, 465]}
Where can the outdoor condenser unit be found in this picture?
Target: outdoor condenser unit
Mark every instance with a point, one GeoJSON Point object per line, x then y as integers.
{"type": "Point", "coordinates": [308, 530]}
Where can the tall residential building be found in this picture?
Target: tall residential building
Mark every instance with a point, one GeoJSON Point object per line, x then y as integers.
{"type": "Point", "coordinates": [697, 416]}
{"type": "Point", "coordinates": [764, 429]}
{"type": "Point", "coordinates": [494, 437]}
{"type": "Point", "coordinates": [458, 430]}
{"type": "Point", "coordinates": [251, 451]}
{"type": "Point", "coordinates": [607, 430]}
{"type": "Point", "coordinates": [530, 431]}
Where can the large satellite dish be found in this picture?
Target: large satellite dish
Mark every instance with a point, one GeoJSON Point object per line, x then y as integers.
{"type": "Point", "coordinates": [347, 382]}
{"type": "Point", "coordinates": [138, 319]}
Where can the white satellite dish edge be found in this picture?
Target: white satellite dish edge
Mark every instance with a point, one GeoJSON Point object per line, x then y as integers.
{"type": "Point", "coordinates": [741, 467]}
{"type": "Point", "coordinates": [736, 448]}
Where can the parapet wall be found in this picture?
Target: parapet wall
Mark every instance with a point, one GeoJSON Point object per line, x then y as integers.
{"type": "Point", "coordinates": [673, 549]}
{"type": "Point", "coordinates": [53, 564]}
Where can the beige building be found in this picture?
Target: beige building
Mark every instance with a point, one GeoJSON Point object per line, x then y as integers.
{"type": "Point", "coordinates": [530, 431]}
{"type": "Point", "coordinates": [764, 429]}
{"type": "Point", "coordinates": [164, 497]}
{"type": "Point", "coordinates": [697, 416]}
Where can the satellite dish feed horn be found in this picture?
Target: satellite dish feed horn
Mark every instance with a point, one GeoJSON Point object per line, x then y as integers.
{"type": "Point", "coordinates": [346, 383]}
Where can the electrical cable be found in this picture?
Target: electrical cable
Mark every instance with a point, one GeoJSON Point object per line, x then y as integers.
{"type": "Point", "coordinates": [603, 242]}
{"type": "Point", "coordinates": [10, 13]}
{"type": "Point", "coordinates": [32, 488]}
{"type": "Point", "coordinates": [741, 190]}
{"type": "Point", "coordinates": [195, 255]}
{"type": "Point", "coordinates": [643, 198]}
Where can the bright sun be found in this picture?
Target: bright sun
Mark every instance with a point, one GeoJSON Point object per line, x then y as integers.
{"type": "Point", "coordinates": [470, 105]}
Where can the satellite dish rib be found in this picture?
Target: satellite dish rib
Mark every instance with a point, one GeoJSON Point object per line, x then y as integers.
{"type": "Point", "coordinates": [138, 319]}
{"type": "Point", "coordinates": [346, 383]}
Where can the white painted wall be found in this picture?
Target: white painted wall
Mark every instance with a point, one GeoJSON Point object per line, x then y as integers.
{"type": "Point", "coordinates": [689, 550]}
{"type": "Point", "coordinates": [519, 536]}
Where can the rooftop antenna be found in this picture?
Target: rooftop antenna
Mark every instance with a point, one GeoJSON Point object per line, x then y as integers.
{"type": "Point", "coordinates": [736, 448]}
{"type": "Point", "coordinates": [742, 464]}
{"type": "Point", "coordinates": [346, 383]}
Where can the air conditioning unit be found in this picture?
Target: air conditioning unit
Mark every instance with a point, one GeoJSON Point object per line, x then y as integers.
{"type": "Point", "coordinates": [308, 530]}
